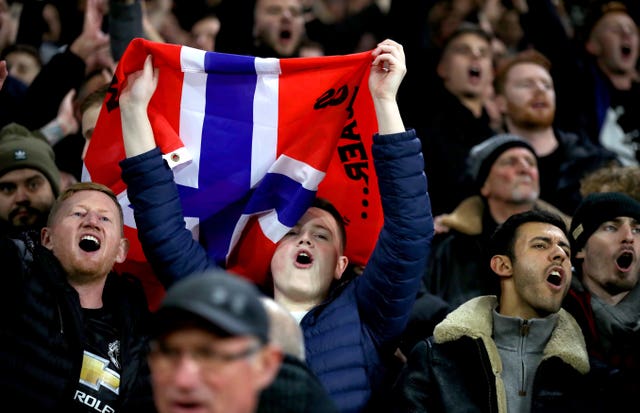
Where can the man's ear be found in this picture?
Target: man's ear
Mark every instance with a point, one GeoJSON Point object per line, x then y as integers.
{"type": "Point", "coordinates": [269, 364]}
{"type": "Point", "coordinates": [442, 70]}
{"type": "Point", "coordinates": [580, 254]}
{"type": "Point", "coordinates": [123, 250]}
{"type": "Point", "coordinates": [501, 265]}
{"type": "Point", "coordinates": [45, 238]}
{"type": "Point", "coordinates": [341, 266]}
{"type": "Point", "coordinates": [484, 190]}
{"type": "Point", "coordinates": [501, 103]}
{"type": "Point", "coordinates": [592, 47]}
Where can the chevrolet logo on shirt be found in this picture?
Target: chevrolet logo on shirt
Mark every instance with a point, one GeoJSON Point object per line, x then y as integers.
{"type": "Point", "coordinates": [95, 373]}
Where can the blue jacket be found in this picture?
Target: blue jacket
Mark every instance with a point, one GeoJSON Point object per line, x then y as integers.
{"type": "Point", "coordinates": [347, 336]}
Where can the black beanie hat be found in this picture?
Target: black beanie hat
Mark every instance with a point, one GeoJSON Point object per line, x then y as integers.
{"type": "Point", "coordinates": [483, 155]}
{"type": "Point", "coordinates": [20, 148]}
{"type": "Point", "coordinates": [597, 208]}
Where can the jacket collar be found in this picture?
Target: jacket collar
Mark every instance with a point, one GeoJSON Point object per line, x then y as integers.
{"type": "Point", "coordinates": [474, 319]}
{"type": "Point", "coordinates": [466, 218]}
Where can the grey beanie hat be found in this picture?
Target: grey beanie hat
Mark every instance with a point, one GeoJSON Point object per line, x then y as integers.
{"type": "Point", "coordinates": [20, 148]}
{"type": "Point", "coordinates": [224, 302]}
{"type": "Point", "coordinates": [483, 155]}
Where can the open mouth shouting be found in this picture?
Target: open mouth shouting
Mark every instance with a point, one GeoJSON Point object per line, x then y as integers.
{"type": "Point", "coordinates": [285, 34]}
{"type": "Point", "coordinates": [475, 74]}
{"type": "Point", "coordinates": [304, 259]}
{"type": "Point", "coordinates": [555, 276]}
{"type": "Point", "coordinates": [624, 260]}
{"type": "Point", "coordinates": [89, 243]}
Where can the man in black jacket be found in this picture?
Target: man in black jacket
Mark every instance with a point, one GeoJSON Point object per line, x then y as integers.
{"type": "Point", "coordinates": [526, 97]}
{"type": "Point", "coordinates": [518, 352]}
{"type": "Point", "coordinates": [72, 331]}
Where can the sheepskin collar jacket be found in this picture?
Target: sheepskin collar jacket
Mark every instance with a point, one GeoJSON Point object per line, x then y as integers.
{"type": "Point", "coordinates": [459, 367]}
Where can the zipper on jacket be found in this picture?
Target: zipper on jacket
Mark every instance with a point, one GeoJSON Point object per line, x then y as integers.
{"type": "Point", "coordinates": [60, 317]}
{"type": "Point", "coordinates": [524, 332]}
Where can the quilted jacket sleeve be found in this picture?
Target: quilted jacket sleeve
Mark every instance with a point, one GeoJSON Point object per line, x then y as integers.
{"type": "Point", "coordinates": [167, 243]}
{"type": "Point", "coordinates": [388, 287]}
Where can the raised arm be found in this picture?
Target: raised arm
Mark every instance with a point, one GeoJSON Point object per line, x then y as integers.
{"type": "Point", "coordinates": [387, 72]}
{"type": "Point", "coordinates": [168, 244]}
{"type": "Point", "coordinates": [388, 287]}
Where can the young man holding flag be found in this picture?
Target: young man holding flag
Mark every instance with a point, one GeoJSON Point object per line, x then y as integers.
{"type": "Point", "coordinates": [349, 329]}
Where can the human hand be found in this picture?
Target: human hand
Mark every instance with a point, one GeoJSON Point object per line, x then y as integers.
{"type": "Point", "coordinates": [9, 22]}
{"type": "Point", "coordinates": [66, 118]}
{"type": "Point", "coordinates": [51, 16]}
{"type": "Point", "coordinates": [522, 6]}
{"type": "Point", "coordinates": [438, 226]}
{"type": "Point", "coordinates": [137, 132]}
{"type": "Point", "coordinates": [387, 71]}
{"type": "Point", "coordinates": [64, 124]}
{"type": "Point", "coordinates": [3, 72]}
{"type": "Point", "coordinates": [92, 39]}
{"type": "Point", "coordinates": [140, 86]}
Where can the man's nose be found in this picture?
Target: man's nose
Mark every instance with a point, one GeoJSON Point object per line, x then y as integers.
{"type": "Point", "coordinates": [22, 194]}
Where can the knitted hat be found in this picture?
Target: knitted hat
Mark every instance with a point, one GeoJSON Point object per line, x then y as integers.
{"type": "Point", "coordinates": [483, 155]}
{"type": "Point", "coordinates": [596, 208]}
{"type": "Point", "coordinates": [20, 148]}
{"type": "Point", "coordinates": [220, 301]}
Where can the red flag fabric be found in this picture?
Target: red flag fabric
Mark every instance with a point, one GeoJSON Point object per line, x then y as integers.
{"type": "Point", "coordinates": [251, 141]}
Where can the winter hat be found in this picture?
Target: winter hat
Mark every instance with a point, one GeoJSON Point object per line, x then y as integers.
{"type": "Point", "coordinates": [483, 155]}
{"type": "Point", "coordinates": [20, 148]}
{"type": "Point", "coordinates": [597, 208]}
{"type": "Point", "coordinates": [220, 301]}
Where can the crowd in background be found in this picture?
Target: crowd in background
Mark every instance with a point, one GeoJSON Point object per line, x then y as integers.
{"type": "Point", "coordinates": [519, 106]}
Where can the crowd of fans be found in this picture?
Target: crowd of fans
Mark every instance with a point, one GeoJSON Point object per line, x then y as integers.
{"type": "Point", "coordinates": [528, 117]}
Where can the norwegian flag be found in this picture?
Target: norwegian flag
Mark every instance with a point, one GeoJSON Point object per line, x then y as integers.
{"type": "Point", "coordinates": [251, 141]}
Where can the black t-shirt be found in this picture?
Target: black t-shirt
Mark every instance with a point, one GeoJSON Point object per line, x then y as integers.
{"type": "Point", "coordinates": [99, 384]}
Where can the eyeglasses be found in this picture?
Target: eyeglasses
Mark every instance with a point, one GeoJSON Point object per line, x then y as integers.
{"type": "Point", "coordinates": [164, 357]}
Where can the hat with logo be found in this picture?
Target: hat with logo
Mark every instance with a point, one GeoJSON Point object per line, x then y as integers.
{"type": "Point", "coordinates": [225, 303]}
{"type": "Point", "coordinates": [483, 155]}
{"type": "Point", "coordinates": [597, 208]}
{"type": "Point", "coordinates": [20, 148]}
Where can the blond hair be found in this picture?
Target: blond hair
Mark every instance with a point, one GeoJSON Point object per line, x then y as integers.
{"type": "Point", "coordinates": [84, 186]}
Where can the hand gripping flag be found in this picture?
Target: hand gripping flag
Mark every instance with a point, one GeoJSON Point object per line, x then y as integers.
{"type": "Point", "coordinates": [251, 141]}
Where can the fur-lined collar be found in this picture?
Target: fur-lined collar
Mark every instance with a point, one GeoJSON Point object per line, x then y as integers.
{"type": "Point", "coordinates": [474, 319]}
{"type": "Point", "coordinates": [467, 217]}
